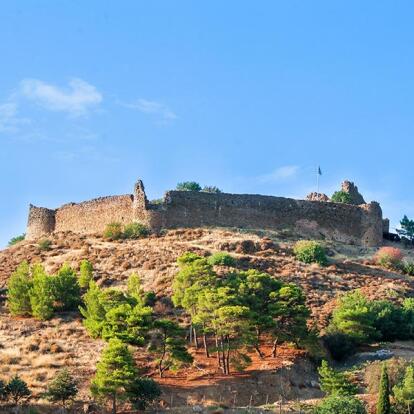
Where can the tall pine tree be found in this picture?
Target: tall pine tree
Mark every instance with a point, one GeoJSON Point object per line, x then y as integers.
{"type": "Point", "coordinates": [383, 404]}
{"type": "Point", "coordinates": [115, 373]}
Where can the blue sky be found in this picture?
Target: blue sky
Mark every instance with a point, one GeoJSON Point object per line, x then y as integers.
{"type": "Point", "coordinates": [248, 96]}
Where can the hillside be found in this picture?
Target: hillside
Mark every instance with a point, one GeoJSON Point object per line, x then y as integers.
{"type": "Point", "coordinates": [36, 349]}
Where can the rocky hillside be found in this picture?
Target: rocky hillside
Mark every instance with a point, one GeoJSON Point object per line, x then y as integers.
{"type": "Point", "coordinates": [36, 350]}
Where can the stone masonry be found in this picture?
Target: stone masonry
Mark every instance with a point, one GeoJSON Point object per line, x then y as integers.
{"type": "Point", "coordinates": [348, 223]}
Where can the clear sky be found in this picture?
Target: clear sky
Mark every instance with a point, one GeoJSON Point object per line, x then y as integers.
{"type": "Point", "coordinates": [247, 95]}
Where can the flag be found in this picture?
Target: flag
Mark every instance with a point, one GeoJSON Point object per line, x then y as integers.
{"type": "Point", "coordinates": [319, 171]}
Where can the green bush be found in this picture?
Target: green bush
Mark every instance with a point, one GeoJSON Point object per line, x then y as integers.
{"type": "Point", "coordinates": [408, 267]}
{"type": "Point", "coordinates": [339, 345]}
{"type": "Point", "coordinates": [354, 317]}
{"type": "Point", "coordinates": [334, 382]}
{"type": "Point", "coordinates": [66, 289]}
{"type": "Point", "coordinates": [85, 273]}
{"type": "Point", "coordinates": [113, 231]}
{"type": "Point", "coordinates": [18, 290]}
{"type": "Point", "coordinates": [135, 231]}
{"type": "Point", "coordinates": [42, 295]}
{"type": "Point", "coordinates": [17, 239]}
{"type": "Point", "coordinates": [336, 404]}
{"type": "Point", "coordinates": [211, 189]}
{"type": "Point", "coordinates": [221, 258]}
{"type": "Point", "coordinates": [45, 244]}
{"type": "Point", "coordinates": [341, 197]}
{"type": "Point", "coordinates": [310, 251]}
{"type": "Point", "coordinates": [17, 390]}
{"type": "Point", "coordinates": [188, 186]}
{"type": "Point", "coordinates": [187, 258]}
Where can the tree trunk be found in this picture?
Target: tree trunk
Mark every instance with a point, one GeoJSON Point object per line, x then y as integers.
{"type": "Point", "coordinates": [217, 351]}
{"type": "Point", "coordinates": [274, 348]}
{"type": "Point", "coordinates": [257, 346]}
{"type": "Point", "coordinates": [114, 404]}
{"type": "Point", "coordinates": [228, 356]}
{"type": "Point", "coordinates": [195, 338]}
{"type": "Point", "coordinates": [205, 345]}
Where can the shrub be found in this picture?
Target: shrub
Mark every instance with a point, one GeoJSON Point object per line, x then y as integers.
{"type": "Point", "coordinates": [396, 368]}
{"type": "Point", "coordinates": [341, 197]}
{"type": "Point", "coordinates": [339, 345]}
{"type": "Point", "coordinates": [334, 382]}
{"type": "Point", "coordinates": [211, 189]}
{"type": "Point", "coordinates": [408, 267]}
{"type": "Point", "coordinates": [113, 231]}
{"type": "Point", "coordinates": [17, 239]}
{"type": "Point", "coordinates": [340, 405]}
{"type": "Point", "coordinates": [62, 388]}
{"type": "Point", "coordinates": [42, 295]}
{"type": "Point", "coordinates": [85, 273]}
{"type": "Point", "coordinates": [142, 392]}
{"type": "Point", "coordinates": [187, 258]}
{"type": "Point", "coordinates": [45, 244]}
{"type": "Point", "coordinates": [17, 390]}
{"type": "Point", "coordinates": [221, 258]}
{"type": "Point", "coordinates": [188, 186]}
{"type": "Point", "coordinates": [135, 231]}
{"type": "Point", "coordinates": [310, 251]}
{"type": "Point", "coordinates": [66, 288]}
{"type": "Point", "coordinates": [18, 288]}
{"type": "Point", "coordinates": [389, 257]}
{"type": "Point", "coordinates": [389, 320]}
{"type": "Point", "coordinates": [404, 392]}
{"type": "Point", "coordinates": [354, 317]}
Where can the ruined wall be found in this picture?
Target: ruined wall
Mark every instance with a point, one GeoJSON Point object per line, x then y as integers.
{"type": "Point", "coordinates": [314, 219]}
{"type": "Point", "coordinates": [41, 221]}
{"type": "Point", "coordinates": [92, 216]}
{"type": "Point", "coordinates": [341, 222]}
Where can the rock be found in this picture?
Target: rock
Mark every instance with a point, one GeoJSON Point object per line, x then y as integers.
{"type": "Point", "coordinates": [350, 188]}
{"type": "Point", "coordinates": [317, 197]}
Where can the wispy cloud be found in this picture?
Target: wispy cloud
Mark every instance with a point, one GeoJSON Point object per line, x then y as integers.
{"type": "Point", "coordinates": [9, 119]}
{"type": "Point", "coordinates": [77, 99]}
{"type": "Point", "coordinates": [155, 108]}
{"type": "Point", "coordinates": [280, 174]}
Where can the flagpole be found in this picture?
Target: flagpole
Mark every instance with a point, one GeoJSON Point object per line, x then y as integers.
{"type": "Point", "coordinates": [317, 180]}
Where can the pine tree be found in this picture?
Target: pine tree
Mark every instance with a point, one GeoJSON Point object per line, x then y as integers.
{"type": "Point", "coordinates": [18, 288]}
{"type": "Point", "coordinates": [407, 228]}
{"type": "Point", "coordinates": [404, 392]}
{"type": "Point", "coordinates": [42, 294]}
{"type": "Point", "coordinates": [66, 288]}
{"type": "Point", "coordinates": [115, 373]}
{"type": "Point", "coordinates": [62, 388]}
{"type": "Point", "coordinates": [93, 311]}
{"type": "Point", "coordinates": [85, 274]}
{"type": "Point", "coordinates": [17, 390]}
{"type": "Point", "coordinates": [383, 404]}
{"type": "Point", "coordinates": [168, 345]}
{"type": "Point", "coordinates": [334, 382]}
{"type": "Point", "coordinates": [135, 287]}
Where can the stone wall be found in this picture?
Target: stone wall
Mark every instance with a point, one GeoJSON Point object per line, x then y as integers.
{"type": "Point", "coordinates": [41, 221]}
{"type": "Point", "coordinates": [355, 224]}
{"type": "Point", "coordinates": [94, 215]}
{"type": "Point", "coordinates": [342, 222]}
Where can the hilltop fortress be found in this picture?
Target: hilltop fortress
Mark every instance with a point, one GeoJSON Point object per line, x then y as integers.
{"type": "Point", "coordinates": [359, 223]}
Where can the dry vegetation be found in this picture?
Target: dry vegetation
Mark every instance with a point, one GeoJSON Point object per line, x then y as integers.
{"type": "Point", "coordinates": [36, 350]}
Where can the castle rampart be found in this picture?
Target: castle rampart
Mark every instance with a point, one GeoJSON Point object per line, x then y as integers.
{"type": "Point", "coordinates": [355, 224]}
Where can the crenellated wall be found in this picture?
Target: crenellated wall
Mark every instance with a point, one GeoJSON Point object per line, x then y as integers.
{"type": "Point", "coordinates": [355, 224]}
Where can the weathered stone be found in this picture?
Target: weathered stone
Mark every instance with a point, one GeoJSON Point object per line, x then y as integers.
{"type": "Point", "coordinates": [317, 197]}
{"type": "Point", "coordinates": [352, 190]}
{"type": "Point", "coordinates": [353, 224]}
